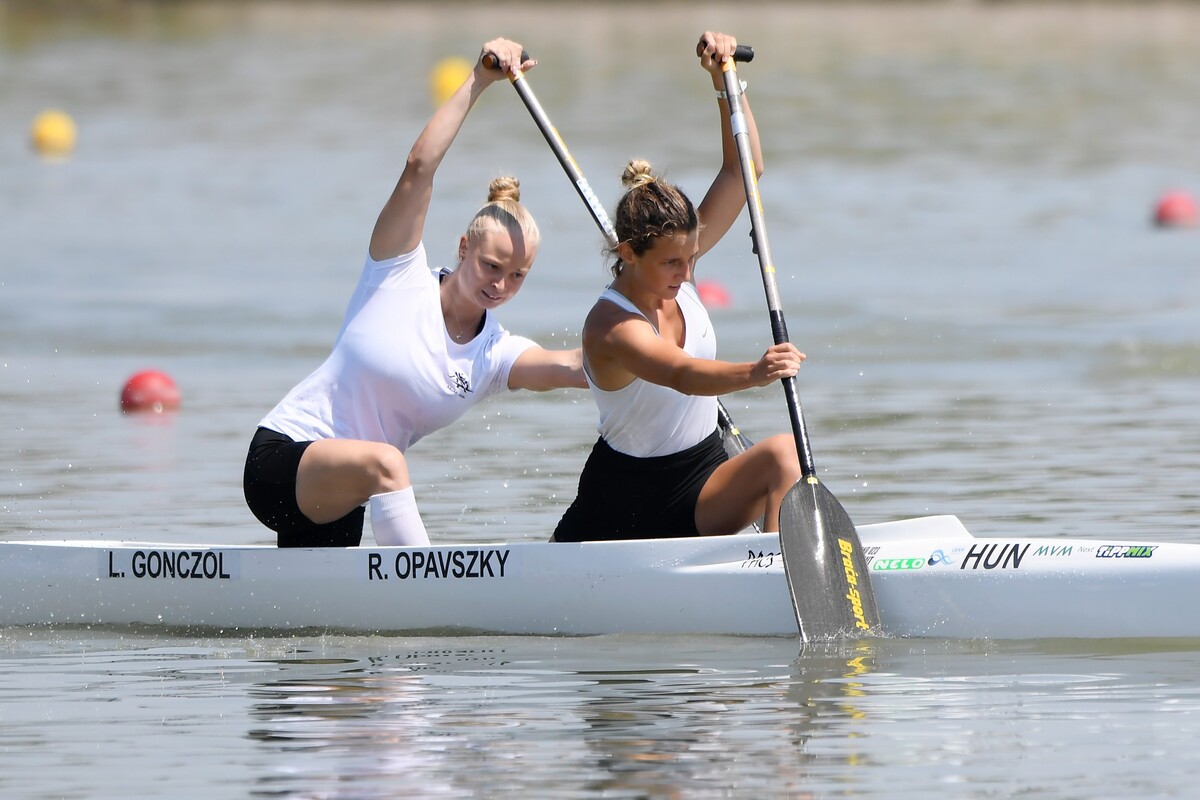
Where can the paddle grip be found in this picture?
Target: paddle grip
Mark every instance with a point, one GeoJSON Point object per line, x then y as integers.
{"type": "Point", "coordinates": [743, 52]}
{"type": "Point", "coordinates": [778, 327]}
{"type": "Point", "coordinates": [491, 62]}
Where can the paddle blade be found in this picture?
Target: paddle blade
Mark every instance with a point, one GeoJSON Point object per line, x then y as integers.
{"type": "Point", "coordinates": [735, 443]}
{"type": "Point", "coordinates": [824, 562]}
{"type": "Point", "coordinates": [734, 440]}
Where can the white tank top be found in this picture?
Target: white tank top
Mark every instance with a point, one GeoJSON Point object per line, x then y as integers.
{"type": "Point", "coordinates": [395, 375]}
{"type": "Point", "coordinates": [644, 419]}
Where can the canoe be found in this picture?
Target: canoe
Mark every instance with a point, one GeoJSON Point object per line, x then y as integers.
{"type": "Point", "coordinates": [931, 578]}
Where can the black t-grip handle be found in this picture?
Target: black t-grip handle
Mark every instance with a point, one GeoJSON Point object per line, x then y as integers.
{"type": "Point", "coordinates": [491, 62]}
{"type": "Point", "coordinates": [743, 52]}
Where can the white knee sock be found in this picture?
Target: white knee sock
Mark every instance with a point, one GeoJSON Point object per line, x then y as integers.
{"type": "Point", "coordinates": [395, 519]}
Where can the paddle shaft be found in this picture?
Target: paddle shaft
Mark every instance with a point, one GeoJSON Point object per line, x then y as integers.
{"type": "Point", "coordinates": [550, 133]}
{"type": "Point", "coordinates": [827, 571]}
{"type": "Point", "coordinates": [741, 135]}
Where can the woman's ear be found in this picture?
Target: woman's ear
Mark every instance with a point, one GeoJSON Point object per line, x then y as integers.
{"type": "Point", "coordinates": [625, 252]}
{"type": "Point", "coordinates": [462, 248]}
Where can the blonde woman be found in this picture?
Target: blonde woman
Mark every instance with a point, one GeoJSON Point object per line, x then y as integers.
{"type": "Point", "coordinates": [415, 351]}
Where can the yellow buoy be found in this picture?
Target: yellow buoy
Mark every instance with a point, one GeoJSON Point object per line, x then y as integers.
{"type": "Point", "coordinates": [448, 74]}
{"type": "Point", "coordinates": [53, 133]}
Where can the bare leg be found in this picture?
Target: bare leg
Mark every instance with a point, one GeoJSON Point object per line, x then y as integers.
{"type": "Point", "coordinates": [752, 483]}
{"type": "Point", "coordinates": [337, 475]}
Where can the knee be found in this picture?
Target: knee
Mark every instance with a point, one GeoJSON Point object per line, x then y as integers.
{"type": "Point", "coordinates": [786, 461]}
{"type": "Point", "coordinates": [391, 469]}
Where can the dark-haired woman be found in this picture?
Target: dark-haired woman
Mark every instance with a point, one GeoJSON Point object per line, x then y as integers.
{"type": "Point", "coordinates": [659, 468]}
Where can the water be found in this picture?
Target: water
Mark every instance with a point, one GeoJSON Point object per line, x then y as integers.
{"type": "Point", "coordinates": [958, 201]}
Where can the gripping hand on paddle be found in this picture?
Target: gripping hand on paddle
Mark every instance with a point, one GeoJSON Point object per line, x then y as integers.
{"type": "Point", "coordinates": [779, 362]}
{"type": "Point", "coordinates": [714, 50]}
{"type": "Point", "coordinates": [502, 58]}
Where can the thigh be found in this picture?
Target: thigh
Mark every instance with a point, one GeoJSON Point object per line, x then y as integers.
{"type": "Point", "coordinates": [736, 492]}
{"type": "Point", "coordinates": [269, 484]}
{"type": "Point", "coordinates": [338, 475]}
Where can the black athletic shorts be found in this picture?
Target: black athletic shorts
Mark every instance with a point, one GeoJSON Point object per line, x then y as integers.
{"type": "Point", "coordinates": [270, 486]}
{"type": "Point", "coordinates": [625, 497]}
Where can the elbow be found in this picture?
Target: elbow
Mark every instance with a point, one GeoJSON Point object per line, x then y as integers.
{"type": "Point", "coordinates": [419, 162]}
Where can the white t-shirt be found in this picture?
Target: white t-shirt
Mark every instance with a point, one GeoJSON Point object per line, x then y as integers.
{"type": "Point", "coordinates": [644, 419]}
{"type": "Point", "coordinates": [395, 375]}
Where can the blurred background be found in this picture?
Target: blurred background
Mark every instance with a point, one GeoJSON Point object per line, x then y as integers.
{"type": "Point", "coordinates": [961, 198]}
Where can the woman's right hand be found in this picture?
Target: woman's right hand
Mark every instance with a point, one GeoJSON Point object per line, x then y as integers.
{"type": "Point", "coordinates": [714, 50]}
{"type": "Point", "coordinates": [779, 362]}
{"type": "Point", "coordinates": [507, 59]}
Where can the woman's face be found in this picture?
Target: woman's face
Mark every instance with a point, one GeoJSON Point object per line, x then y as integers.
{"type": "Point", "coordinates": [666, 264]}
{"type": "Point", "coordinates": [494, 266]}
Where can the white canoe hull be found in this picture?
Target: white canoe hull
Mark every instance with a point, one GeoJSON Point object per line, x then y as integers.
{"type": "Point", "coordinates": [930, 575]}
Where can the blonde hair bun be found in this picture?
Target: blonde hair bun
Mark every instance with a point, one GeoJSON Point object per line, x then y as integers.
{"type": "Point", "coordinates": [503, 212]}
{"type": "Point", "coordinates": [504, 188]}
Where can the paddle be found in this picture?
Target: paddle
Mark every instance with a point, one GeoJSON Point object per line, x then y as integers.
{"type": "Point", "coordinates": [733, 439]}
{"type": "Point", "coordinates": [822, 555]}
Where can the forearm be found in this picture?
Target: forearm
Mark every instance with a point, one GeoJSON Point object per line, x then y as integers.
{"type": "Point", "coordinates": [444, 126]}
{"type": "Point", "coordinates": [726, 197]}
{"type": "Point", "coordinates": [710, 378]}
{"type": "Point", "coordinates": [706, 377]}
{"type": "Point", "coordinates": [541, 370]}
{"type": "Point", "coordinates": [398, 228]}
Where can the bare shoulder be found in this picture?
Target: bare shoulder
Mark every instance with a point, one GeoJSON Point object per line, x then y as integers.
{"type": "Point", "coordinates": [605, 319]}
{"type": "Point", "coordinates": [605, 314]}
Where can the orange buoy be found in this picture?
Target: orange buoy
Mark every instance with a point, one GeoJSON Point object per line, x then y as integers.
{"type": "Point", "coordinates": [150, 390]}
{"type": "Point", "coordinates": [713, 294]}
{"type": "Point", "coordinates": [1176, 209]}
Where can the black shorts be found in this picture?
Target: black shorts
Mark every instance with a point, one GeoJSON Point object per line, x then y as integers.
{"type": "Point", "coordinates": [625, 497]}
{"type": "Point", "coordinates": [270, 487]}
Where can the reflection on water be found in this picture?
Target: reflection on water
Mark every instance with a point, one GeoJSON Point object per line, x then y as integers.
{"type": "Point", "coordinates": [431, 719]}
{"type": "Point", "coordinates": [597, 716]}
{"type": "Point", "coordinates": [444, 719]}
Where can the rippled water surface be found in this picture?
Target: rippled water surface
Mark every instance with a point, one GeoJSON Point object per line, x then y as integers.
{"type": "Point", "coordinates": [958, 198]}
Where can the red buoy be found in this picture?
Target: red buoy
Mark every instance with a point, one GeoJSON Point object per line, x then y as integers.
{"type": "Point", "coordinates": [1176, 209]}
{"type": "Point", "coordinates": [713, 294]}
{"type": "Point", "coordinates": [150, 390]}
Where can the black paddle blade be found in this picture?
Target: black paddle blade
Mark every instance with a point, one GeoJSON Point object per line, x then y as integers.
{"type": "Point", "coordinates": [823, 559]}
